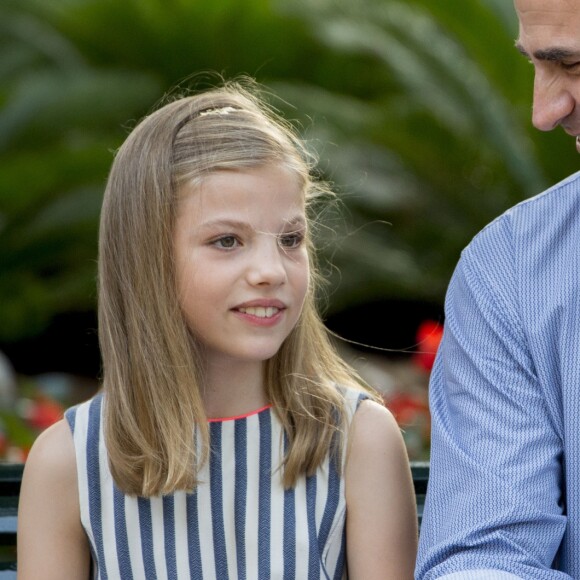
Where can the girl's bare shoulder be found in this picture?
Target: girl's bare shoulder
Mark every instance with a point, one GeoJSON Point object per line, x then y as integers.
{"type": "Point", "coordinates": [373, 424]}
{"type": "Point", "coordinates": [52, 457]}
{"type": "Point", "coordinates": [382, 519]}
{"type": "Point", "coordinates": [51, 540]}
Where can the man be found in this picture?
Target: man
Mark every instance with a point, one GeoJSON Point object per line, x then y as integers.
{"type": "Point", "coordinates": [504, 492]}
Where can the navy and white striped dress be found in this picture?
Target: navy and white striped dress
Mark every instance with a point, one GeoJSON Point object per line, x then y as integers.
{"type": "Point", "coordinates": [240, 523]}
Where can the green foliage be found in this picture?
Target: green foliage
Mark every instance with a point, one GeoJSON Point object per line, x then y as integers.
{"type": "Point", "coordinates": [445, 150]}
{"type": "Point", "coordinates": [419, 111]}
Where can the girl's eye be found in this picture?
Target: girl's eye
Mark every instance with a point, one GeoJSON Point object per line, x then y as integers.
{"type": "Point", "coordinates": [226, 242]}
{"type": "Point", "coordinates": [291, 241]}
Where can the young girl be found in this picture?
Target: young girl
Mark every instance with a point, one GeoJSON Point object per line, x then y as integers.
{"type": "Point", "coordinates": [229, 440]}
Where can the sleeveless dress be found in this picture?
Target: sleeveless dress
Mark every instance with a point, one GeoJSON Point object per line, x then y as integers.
{"type": "Point", "coordinates": [240, 523]}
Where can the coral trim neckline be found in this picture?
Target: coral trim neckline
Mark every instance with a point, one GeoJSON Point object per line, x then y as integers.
{"type": "Point", "coordinates": [245, 416]}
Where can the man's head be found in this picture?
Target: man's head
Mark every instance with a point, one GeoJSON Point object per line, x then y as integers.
{"type": "Point", "coordinates": [549, 36]}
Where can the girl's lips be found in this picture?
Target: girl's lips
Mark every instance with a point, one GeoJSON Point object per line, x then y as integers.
{"type": "Point", "coordinates": [261, 303]}
{"type": "Point", "coordinates": [260, 311]}
{"type": "Point", "coordinates": [260, 315]}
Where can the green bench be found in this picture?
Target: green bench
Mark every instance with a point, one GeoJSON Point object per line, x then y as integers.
{"type": "Point", "coordinates": [420, 471]}
{"type": "Point", "coordinates": [11, 476]}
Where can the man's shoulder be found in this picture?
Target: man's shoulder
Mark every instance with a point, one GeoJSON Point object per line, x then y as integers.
{"type": "Point", "coordinates": [558, 199]}
{"type": "Point", "coordinates": [536, 222]}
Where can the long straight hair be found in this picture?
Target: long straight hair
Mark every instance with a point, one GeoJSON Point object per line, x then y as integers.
{"type": "Point", "coordinates": [152, 364]}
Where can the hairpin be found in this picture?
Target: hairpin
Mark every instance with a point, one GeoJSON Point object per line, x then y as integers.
{"type": "Point", "coordinates": [217, 111]}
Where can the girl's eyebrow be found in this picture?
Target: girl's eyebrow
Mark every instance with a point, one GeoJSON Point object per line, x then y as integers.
{"type": "Point", "coordinates": [227, 223]}
{"type": "Point", "coordinates": [298, 221]}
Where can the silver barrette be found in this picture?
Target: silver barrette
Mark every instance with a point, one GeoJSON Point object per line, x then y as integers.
{"type": "Point", "coordinates": [218, 111]}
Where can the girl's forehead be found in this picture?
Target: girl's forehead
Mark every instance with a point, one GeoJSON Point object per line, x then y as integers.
{"type": "Point", "coordinates": [257, 195]}
{"type": "Point", "coordinates": [277, 180]}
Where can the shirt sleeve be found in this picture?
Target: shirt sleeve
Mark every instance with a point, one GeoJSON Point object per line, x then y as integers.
{"type": "Point", "coordinates": [494, 499]}
{"type": "Point", "coordinates": [480, 575]}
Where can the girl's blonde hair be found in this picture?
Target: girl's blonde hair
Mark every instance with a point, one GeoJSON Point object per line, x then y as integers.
{"type": "Point", "coordinates": [151, 363]}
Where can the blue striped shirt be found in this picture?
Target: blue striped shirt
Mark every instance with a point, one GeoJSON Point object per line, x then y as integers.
{"type": "Point", "coordinates": [504, 489]}
{"type": "Point", "coordinates": [240, 523]}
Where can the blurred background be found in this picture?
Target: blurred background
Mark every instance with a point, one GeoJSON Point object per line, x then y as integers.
{"type": "Point", "coordinates": [418, 110]}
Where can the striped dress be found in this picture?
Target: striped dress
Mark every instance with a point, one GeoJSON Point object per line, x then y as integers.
{"type": "Point", "coordinates": [240, 523]}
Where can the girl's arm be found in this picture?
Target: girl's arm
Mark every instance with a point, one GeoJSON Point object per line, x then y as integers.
{"type": "Point", "coordinates": [51, 541]}
{"type": "Point", "coordinates": [381, 521]}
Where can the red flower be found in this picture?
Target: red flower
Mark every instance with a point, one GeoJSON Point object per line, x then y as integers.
{"type": "Point", "coordinates": [408, 409]}
{"type": "Point", "coordinates": [44, 412]}
{"type": "Point", "coordinates": [429, 335]}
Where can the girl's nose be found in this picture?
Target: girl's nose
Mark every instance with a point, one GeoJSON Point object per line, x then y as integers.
{"type": "Point", "coordinates": [266, 265]}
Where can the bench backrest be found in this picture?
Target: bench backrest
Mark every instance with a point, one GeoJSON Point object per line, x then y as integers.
{"type": "Point", "coordinates": [10, 478]}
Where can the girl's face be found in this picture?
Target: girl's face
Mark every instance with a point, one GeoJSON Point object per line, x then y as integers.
{"type": "Point", "coordinates": [241, 261]}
